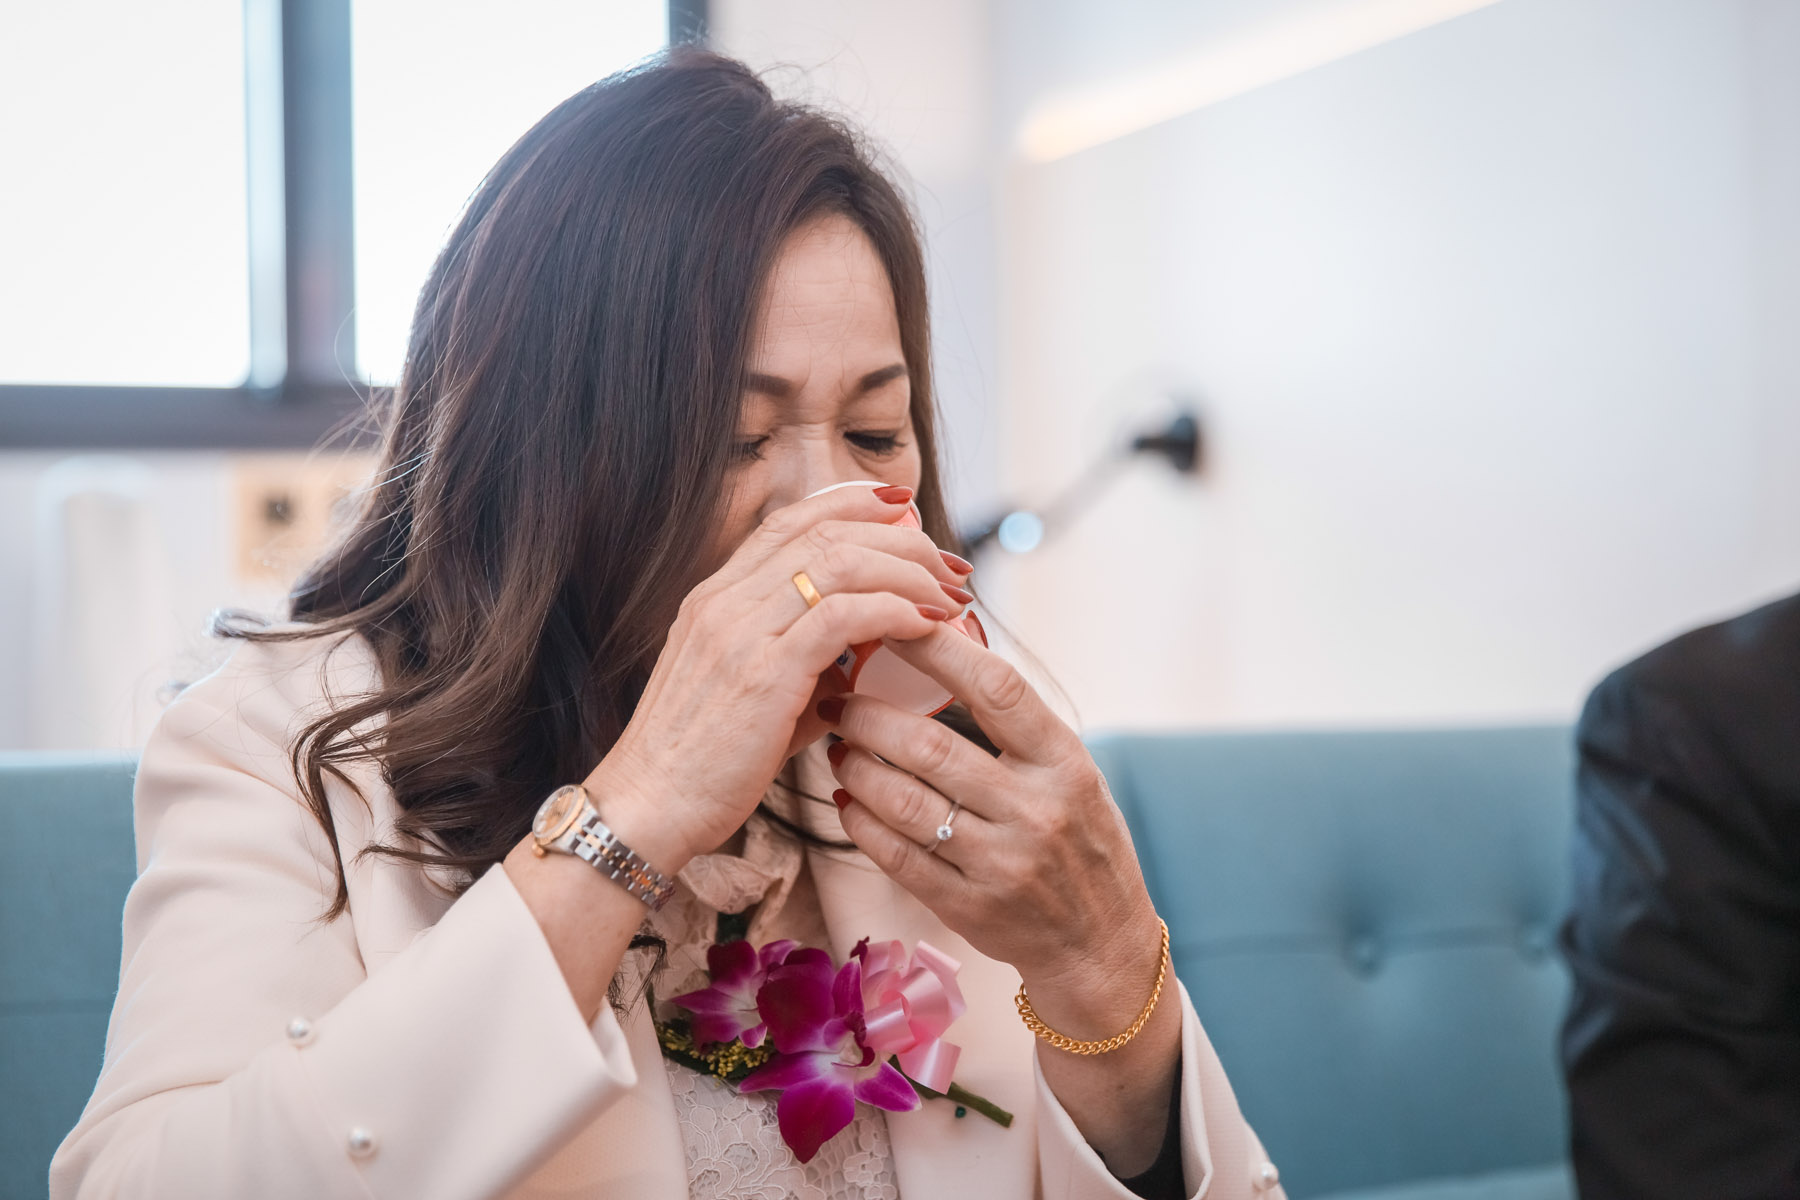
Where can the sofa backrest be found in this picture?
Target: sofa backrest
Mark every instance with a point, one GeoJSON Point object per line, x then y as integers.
{"type": "Point", "coordinates": [67, 859]}
{"type": "Point", "coordinates": [1366, 923]}
{"type": "Point", "coordinates": [1364, 920]}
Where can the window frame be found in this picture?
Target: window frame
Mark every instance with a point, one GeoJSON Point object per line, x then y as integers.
{"type": "Point", "coordinates": [302, 384]}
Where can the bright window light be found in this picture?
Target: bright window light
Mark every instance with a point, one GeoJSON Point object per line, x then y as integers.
{"type": "Point", "coordinates": [440, 91]}
{"type": "Point", "coordinates": [122, 216]}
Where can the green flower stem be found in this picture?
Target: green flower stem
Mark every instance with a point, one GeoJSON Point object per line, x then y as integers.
{"type": "Point", "coordinates": [985, 1107]}
{"type": "Point", "coordinates": [962, 1096]}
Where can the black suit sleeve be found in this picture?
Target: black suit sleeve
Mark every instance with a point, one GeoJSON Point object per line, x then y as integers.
{"type": "Point", "coordinates": [1682, 1044]}
{"type": "Point", "coordinates": [1163, 1179]}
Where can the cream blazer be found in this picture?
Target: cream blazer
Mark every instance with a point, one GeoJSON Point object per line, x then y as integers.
{"type": "Point", "coordinates": [249, 1039]}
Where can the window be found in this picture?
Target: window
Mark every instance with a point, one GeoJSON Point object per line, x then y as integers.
{"type": "Point", "coordinates": [180, 269]}
{"type": "Point", "coordinates": [441, 91]}
{"type": "Point", "coordinates": [124, 235]}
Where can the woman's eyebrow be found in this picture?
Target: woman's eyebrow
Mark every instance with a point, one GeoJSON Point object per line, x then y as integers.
{"type": "Point", "coordinates": [782, 389]}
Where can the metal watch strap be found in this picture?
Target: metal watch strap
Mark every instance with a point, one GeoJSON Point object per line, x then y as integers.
{"type": "Point", "coordinates": [592, 842]}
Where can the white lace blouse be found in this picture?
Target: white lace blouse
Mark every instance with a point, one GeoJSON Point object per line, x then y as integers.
{"type": "Point", "coordinates": [732, 1143]}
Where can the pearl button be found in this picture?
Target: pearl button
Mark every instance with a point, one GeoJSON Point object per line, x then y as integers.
{"type": "Point", "coordinates": [361, 1143]}
{"type": "Point", "coordinates": [300, 1031]}
{"type": "Point", "coordinates": [1268, 1177]}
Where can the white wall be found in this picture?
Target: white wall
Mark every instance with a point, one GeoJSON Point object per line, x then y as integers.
{"type": "Point", "coordinates": [89, 669]}
{"type": "Point", "coordinates": [1772, 84]}
{"type": "Point", "coordinates": [116, 562]}
{"type": "Point", "coordinates": [1495, 326]}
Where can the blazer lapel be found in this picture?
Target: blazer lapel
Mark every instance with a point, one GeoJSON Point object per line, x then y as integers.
{"type": "Point", "coordinates": [936, 1153]}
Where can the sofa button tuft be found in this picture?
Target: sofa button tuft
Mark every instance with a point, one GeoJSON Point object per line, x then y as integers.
{"type": "Point", "coordinates": [1534, 943]}
{"type": "Point", "coordinates": [1365, 956]}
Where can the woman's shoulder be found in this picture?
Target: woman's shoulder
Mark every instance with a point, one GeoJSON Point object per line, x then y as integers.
{"type": "Point", "coordinates": [219, 768]}
{"type": "Point", "coordinates": [271, 685]}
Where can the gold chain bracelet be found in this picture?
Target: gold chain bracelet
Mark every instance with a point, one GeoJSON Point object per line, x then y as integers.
{"type": "Point", "coordinates": [1063, 1042]}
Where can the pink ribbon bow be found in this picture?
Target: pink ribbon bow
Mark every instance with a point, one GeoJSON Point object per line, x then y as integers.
{"type": "Point", "coordinates": [907, 1006]}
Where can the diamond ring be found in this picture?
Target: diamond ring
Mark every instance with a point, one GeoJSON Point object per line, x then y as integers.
{"type": "Point", "coordinates": [944, 832]}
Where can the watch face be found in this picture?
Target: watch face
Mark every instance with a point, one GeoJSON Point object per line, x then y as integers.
{"type": "Point", "coordinates": [558, 813]}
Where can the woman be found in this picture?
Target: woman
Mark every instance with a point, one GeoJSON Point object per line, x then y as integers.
{"type": "Point", "coordinates": [673, 311]}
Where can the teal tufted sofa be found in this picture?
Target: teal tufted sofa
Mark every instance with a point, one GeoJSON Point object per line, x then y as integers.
{"type": "Point", "coordinates": [66, 860]}
{"type": "Point", "coordinates": [1366, 923]}
{"type": "Point", "coordinates": [1364, 920]}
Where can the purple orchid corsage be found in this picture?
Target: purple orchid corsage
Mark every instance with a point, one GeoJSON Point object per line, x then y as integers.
{"type": "Point", "coordinates": [786, 1018]}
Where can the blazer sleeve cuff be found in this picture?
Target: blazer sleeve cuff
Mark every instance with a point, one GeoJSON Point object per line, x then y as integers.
{"type": "Point", "coordinates": [464, 1060]}
{"type": "Point", "coordinates": [1221, 1158]}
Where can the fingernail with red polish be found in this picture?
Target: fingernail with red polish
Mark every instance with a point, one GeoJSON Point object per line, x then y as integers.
{"type": "Point", "coordinates": [960, 595]}
{"type": "Point", "coordinates": [836, 751]}
{"type": "Point", "coordinates": [841, 798]}
{"type": "Point", "coordinates": [894, 493]}
{"type": "Point", "coordinates": [831, 709]}
{"type": "Point", "coordinates": [961, 566]}
{"type": "Point", "coordinates": [932, 612]}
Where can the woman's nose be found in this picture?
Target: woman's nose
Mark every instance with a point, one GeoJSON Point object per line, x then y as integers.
{"type": "Point", "coordinates": [817, 468]}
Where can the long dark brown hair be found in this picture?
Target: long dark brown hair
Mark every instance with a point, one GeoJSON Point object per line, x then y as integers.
{"type": "Point", "coordinates": [561, 434]}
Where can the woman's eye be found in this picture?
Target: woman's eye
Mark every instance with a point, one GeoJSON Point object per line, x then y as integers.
{"type": "Point", "coordinates": [875, 443]}
{"type": "Point", "coordinates": [751, 448]}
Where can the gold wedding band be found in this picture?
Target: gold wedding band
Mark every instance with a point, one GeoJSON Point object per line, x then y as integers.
{"type": "Point", "coordinates": [807, 591]}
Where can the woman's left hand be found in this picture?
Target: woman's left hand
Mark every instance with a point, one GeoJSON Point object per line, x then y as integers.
{"type": "Point", "coordinates": [1039, 871]}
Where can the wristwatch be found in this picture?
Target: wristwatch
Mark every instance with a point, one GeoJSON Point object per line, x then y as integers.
{"type": "Point", "coordinates": [567, 822]}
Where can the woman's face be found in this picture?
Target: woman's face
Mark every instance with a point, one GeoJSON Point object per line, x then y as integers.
{"type": "Point", "coordinates": [826, 395]}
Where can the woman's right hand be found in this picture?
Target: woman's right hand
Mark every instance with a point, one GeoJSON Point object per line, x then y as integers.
{"type": "Point", "coordinates": [731, 695]}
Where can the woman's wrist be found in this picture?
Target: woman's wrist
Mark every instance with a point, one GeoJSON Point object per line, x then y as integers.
{"type": "Point", "coordinates": [630, 810]}
{"type": "Point", "coordinates": [586, 919]}
{"type": "Point", "coordinates": [1096, 995]}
